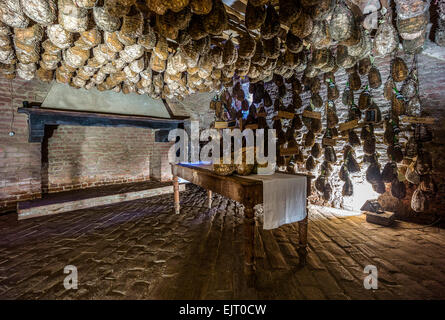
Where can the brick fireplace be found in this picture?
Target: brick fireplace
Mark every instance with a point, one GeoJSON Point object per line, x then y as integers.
{"type": "Point", "coordinates": [70, 157]}
{"type": "Point", "coordinates": [75, 157]}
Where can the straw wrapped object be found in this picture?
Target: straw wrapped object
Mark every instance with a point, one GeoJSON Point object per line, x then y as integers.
{"type": "Point", "coordinates": [157, 6]}
{"type": "Point", "coordinates": [409, 88]}
{"type": "Point", "coordinates": [386, 39]}
{"type": "Point", "coordinates": [342, 23]}
{"type": "Point", "coordinates": [293, 43]}
{"type": "Point", "coordinates": [217, 57]}
{"type": "Point", "coordinates": [271, 25]}
{"type": "Point", "coordinates": [30, 55]}
{"type": "Point", "coordinates": [45, 75]}
{"type": "Point", "coordinates": [201, 6]}
{"type": "Point", "coordinates": [363, 48]}
{"type": "Point", "coordinates": [50, 61]}
{"type": "Point", "coordinates": [399, 70]}
{"type": "Point", "coordinates": [398, 105]}
{"type": "Point", "coordinates": [91, 38]}
{"type": "Point", "coordinates": [87, 4]}
{"type": "Point", "coordinates": [290, 10]}
{"type": "Point", "coordinates": [178, 5]}
{"type": "Point", "coordinates": [411, 8]}
{"type": "Point", "coordinates": [374, 78]}
{"type": "Point", "coordinates": [41, 11]}
{"type": "Point", "coordinates": [247, 47]}
{"type": "Point", "coordinates": [62, 76]}
{"type": "Point", "coordinates": [105, 21]}
{"type": "Point", "coordinates": [343, 59]}
{"type": "Point", "coordinates": [416, 45]}
{"type": "Point", "coordinates": [71, 17]}
{"type": "Point", "coordinates": [271, 48]}
{"type": "Point", "coordinates": [149, 38]}
{"type": "Point", "coordinates": [132, 52]}
{"type": "Point", "coordinates": [411, 28]}
{"type": "Point", "coordinates": [29, 35]}
{"type": "Point", "coordinates": [59, 36]}
{"type": "Point", "coordinates": [50, 47]}
{"type": "Point", "coordinates": [132, 23]}
{"type": "Point", "coordinates": [355, 82]}
{"type": "Point", "coordinates": [157, 64]}
{"type": "Point", "coordinates": [320, 57]}
{"type": "Point", "coordinates": [196, 28]}
{"type": "Point", "coordinates": [24, 73]}
{"type": "Point", "coordinates": [388, 89]}
{"type": "Point", "coordinates": [216, 21]}
{"type": "Point", "coordinates": [11, 13]}
{"type": "Point", "coordinates": [230, 53]}
{"type": "Point", "coordinates": [166, 27]}
{"type": "Point", "coordinates": [322, 9]}
{"type": "Point", "coordinates": [116, 8]}
{"type": "Point", "coordinates": [302, 27]}
{"type": "Point", "coordinates": [355, 37]}
{"type": "Point", "coordinates": [254, 16]}
{"type": "Point", "coordinates": [76, 57]}
{"type": "Point", "coordinates": [320, 36]}
{"type": "Point", "coordinates": [364, 66]}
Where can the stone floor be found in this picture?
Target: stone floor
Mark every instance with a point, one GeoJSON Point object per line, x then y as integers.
{"type": "Point", "coordinates": [141, 250]}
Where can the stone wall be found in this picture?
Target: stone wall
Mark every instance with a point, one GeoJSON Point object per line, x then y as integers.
{"type": "Point", "coordinates": [432, 93]}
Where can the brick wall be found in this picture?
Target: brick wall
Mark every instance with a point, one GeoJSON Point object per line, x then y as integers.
{"type": "Point", "coordinates": [19, 160]}
{"type": "Point", "coordinates": [81, 157]}
{"type": "Point", "coordinates": [160, 166]}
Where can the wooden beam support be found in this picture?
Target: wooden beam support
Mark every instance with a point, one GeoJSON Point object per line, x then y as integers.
{"type": "Point", "coordinates": [38, 118]}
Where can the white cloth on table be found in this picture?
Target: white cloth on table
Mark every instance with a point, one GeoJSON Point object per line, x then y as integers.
{"type": "Point", "coordinates": [284, 198]}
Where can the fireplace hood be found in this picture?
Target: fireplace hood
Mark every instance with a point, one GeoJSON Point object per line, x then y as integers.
{"type": "Point", "coordinates": [64, 97]}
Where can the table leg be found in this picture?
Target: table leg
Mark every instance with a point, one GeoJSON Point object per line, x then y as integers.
{"type": "Point", "coordinates": [209, 199]}
{"type": "Point", "coordinates": [249, 243]}
{"type": "Point", "coordinates": [176, 193]}
{"type": "Point", "coordinates": [302, 248]}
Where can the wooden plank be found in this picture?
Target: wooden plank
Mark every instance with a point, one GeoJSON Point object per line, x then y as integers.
{"type": "Point", "coordinates": [288, 151]}
{"type": "Point", "coordinates": [252, 126]}
{"type": "Point", "coordinates": [329, 142]}
{"type": "Point", "coordinates": [56, 208]}
{"type": "Point", "coordinates": [384, 219]}
{"type": "Point", "coordinates": [38, 118]}
{"type": "Point", "coordinates": [312, 114]}
{"type": "Point", "coordinates": [221, 124]}
{"type": "Point", "coordinates": [348, 125]}
{"type": "Point", "coordinates": [285, 115]}
{"type": "Point", "coordinates": [421, 120]}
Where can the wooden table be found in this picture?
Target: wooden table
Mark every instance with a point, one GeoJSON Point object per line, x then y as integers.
{"type": "Point", "coordinates": [249, 192]}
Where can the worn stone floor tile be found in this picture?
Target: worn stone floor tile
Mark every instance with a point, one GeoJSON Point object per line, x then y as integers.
{"type": "Point", "coordinates": [141, 250]}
